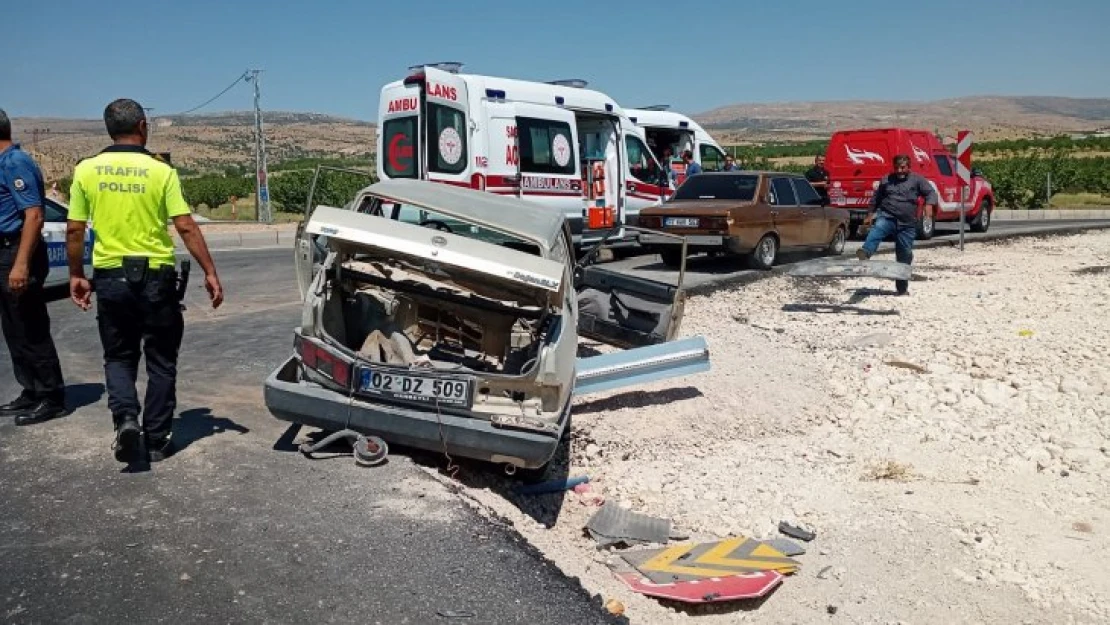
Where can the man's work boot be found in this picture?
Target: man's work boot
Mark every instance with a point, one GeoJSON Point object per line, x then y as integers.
{"type": "Point", "coordinates": [861, 254]}
{"type": "Point", "coordinates": [128, 435]}
{"type": "Point", "coordinates": [20, 405]}
{"type": "Point", "coordinates": [159, 449]}
{"type": "Point", "coordinates": [43, 410]}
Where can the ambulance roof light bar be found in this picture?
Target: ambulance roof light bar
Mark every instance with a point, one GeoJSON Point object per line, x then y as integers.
{"type": "Point", "coordinates": [447, 66]}
{"type": "Point", "coordinates": [656, 107]}
{"type": "Point", "coordinates": [577, 83]}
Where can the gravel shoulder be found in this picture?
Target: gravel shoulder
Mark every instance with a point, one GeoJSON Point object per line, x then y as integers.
{"type": "Point", "coordinates": [949, 448]}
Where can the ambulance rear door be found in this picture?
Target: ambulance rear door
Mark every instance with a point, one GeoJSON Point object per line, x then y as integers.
{"type": "Point", "coordinates": [447, 127]}
{"type": "Point", "coordinates": [400, 121]}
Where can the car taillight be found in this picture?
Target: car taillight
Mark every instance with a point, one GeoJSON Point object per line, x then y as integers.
{"type": "Point", "coordinates": [716, 223]}
{"type": "Point", "coordinates": [650, 222]}
{"type": "Point", "coordinates": [322, 360]}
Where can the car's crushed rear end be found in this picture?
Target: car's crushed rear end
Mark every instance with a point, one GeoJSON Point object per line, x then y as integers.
{"type": "Point", "coordinates": [433, 340]}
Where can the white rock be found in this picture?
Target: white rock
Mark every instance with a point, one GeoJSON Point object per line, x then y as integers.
{"type": "Point", "coordinates": [971, 402]}
{"type": "Point", "coordinates": [948, 398]}
{"type": "Point", "coordinates": [939, 369]}
{"type": "Point", "coordinates": [1073, 386]}
{"type": "Point", "coordinates": [878, 382]}
{"type": "Point", "coordinates": [1084, 460]}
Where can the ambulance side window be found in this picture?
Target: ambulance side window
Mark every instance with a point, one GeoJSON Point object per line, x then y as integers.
{"type": "Point", "coordinates": [447, 139]}
{"type": "Point", "coordinates": [640, 163]}
{"type": "Point", "coordinates": [712, 159]}
{"type": "Point", "coordinates": [545, 146]}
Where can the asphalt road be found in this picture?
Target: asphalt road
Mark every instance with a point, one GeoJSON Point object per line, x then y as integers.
{"type": "Point", "coordinates": [704, 273]}
{"type": "Point", "coordinates": [238, 527]}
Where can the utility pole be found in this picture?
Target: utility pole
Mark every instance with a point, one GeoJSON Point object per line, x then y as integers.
{"type": "Point", "coordinates": [261, 181]}
{"type": "Point", "coordinates": [149, 122]}
{"type": "Point", "coordinates": [35, 132]}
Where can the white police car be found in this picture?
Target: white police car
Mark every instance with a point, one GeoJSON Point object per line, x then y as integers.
{"type": "Point", "coordinates": [54, 233]}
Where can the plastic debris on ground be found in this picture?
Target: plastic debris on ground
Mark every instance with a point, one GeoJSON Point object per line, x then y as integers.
{"type": "Point", "coordinates": [613, 525]}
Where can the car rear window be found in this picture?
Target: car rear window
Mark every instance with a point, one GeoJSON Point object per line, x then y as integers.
{"type": "Point", "coordinates": [718, 187]}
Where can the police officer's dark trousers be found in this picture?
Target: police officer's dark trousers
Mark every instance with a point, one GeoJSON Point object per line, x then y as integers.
{"type": "Point", "coordinates": [140, 318]}
{"type": "Point", "coordinates": [26, 326]}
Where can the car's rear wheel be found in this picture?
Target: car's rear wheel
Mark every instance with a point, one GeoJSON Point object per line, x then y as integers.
{"type": "Point", "coordinates": [982, 220]}
{"type": "Point", "coordinates": [765, 252]}
{"type": "Point", "coordinates": [836, 246]}
{"type": "Point", "coordinates": [926, 226]}
{"type": "Point", "coordinates": [671, 258]}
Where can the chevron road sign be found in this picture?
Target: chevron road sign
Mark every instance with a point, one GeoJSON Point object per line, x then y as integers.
{"type": "Point", "coordinates": [963, 169]}
{"type": "Point", "coordinates": [963, 157]}
{"type": "Point", "coordinates": [699, 561]}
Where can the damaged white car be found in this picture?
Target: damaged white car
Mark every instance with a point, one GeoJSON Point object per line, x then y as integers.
{"type": "Point", "coordinates": [447, 319]}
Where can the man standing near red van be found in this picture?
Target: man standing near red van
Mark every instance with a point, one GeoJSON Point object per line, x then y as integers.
{"type": "Point", "coordinates": [895, 205]}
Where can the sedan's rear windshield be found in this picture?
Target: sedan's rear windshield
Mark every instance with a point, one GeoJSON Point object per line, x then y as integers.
{"type": "Point", "coordinates": [429, 219]}
{"type": "Point", "coordinates": [718, 187]}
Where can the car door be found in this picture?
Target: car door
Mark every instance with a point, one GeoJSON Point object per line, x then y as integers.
{"type": "Point", "coordinates": [947, 184]}
{"type": "Point", "coordinates": [55, 216]}
{"type": "Point", "coordinates": [816, 226]}
{"type": "Point", "coordinates": [624, 310]}
{"type": "Point", "coordinates": [786, 213]}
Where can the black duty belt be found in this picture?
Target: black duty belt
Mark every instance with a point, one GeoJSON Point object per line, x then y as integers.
{"type": "Point", "coordinates": [118, 272]}
{"type": "Point", "coordinates": [10, 238]}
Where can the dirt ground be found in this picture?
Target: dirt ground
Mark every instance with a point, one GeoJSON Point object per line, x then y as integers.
{"type": "Point", "coordinates": [950, 448]}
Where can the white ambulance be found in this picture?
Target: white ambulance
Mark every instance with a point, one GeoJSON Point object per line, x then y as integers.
{"type": "Point", "coordinates": [556, 143]}
{"type": "Point", "coordinates": [667, 129]}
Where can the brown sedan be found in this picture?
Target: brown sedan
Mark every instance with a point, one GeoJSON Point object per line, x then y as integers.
{"type": "Point", "coordinates": [756, 214]}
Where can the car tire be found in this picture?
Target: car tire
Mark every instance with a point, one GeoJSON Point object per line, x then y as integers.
{"type": "Point", "coordinates": [671, 258]}
{"type": "Point", "coordinates": [839, 240]}
{"type": "Point", "coordinates": [765, 252]}
{"type": "Point", "coordinates": [926, 227]}
{"type": "Point", "coordinates": [982, 220]}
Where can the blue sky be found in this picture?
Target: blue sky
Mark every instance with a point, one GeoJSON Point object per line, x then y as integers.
{"type": "Point", "coordinates": [71, 58]}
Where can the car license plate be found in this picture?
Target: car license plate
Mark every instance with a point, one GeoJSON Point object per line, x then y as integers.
{"type": "Point", "coordinates": [681, 222]}
{"type": "Point", "coordinates": [447, 392]}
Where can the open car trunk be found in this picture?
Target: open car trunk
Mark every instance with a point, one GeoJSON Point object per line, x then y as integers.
{"type": "Point", "coordinates": [388, 312]}
{"type": "Point", "coordinates": [411, 296]}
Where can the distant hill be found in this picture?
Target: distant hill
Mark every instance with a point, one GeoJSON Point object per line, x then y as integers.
{"type": "Point", "coordinates": [990, 117]}
{"type": "Point", "coordinates": [202, 142]}
{"type": "Point", "coordinates": [219, 140]}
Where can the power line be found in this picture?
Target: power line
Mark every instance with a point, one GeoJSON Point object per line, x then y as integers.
{"type": "Point", "coordinates": [242, 77]}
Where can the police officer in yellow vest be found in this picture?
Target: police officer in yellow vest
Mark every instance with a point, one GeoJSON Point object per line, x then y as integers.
{"type": "Point", "coordinates": [128, 195]}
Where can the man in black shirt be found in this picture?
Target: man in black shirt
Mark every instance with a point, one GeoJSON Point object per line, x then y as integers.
{"type": "Point", "coordinates": [895, 202]}
{"type": "Point", "coordinates": [818, 176]}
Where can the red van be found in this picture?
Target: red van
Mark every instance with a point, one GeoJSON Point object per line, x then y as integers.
{"type": "Point", "coordinates": [858, 159]}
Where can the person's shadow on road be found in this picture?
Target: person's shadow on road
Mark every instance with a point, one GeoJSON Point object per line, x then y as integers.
{"type": "Point", "coordinates": [193, 425]}
{"type": "Point", "coordinates": [80, 395]}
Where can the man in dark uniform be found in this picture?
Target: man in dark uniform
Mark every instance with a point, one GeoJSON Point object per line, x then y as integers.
{"type": "Point", "coordinates": [130, 195]}
{"type": "Point", "coordinates": [23, 268]}
{"type": "Point", "coordinates": [818, 176]}
{"type": "Point", "coordinates": [895, 205]}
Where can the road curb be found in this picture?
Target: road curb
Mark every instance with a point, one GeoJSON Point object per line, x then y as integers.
{"type": "Point", "coordinates": [708, 288]}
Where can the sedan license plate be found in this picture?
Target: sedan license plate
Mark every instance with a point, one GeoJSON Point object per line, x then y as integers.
{"type": "Point", "coordinates": [447, 392]}
{"type": "Point", "coordinates": [681, 222]}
